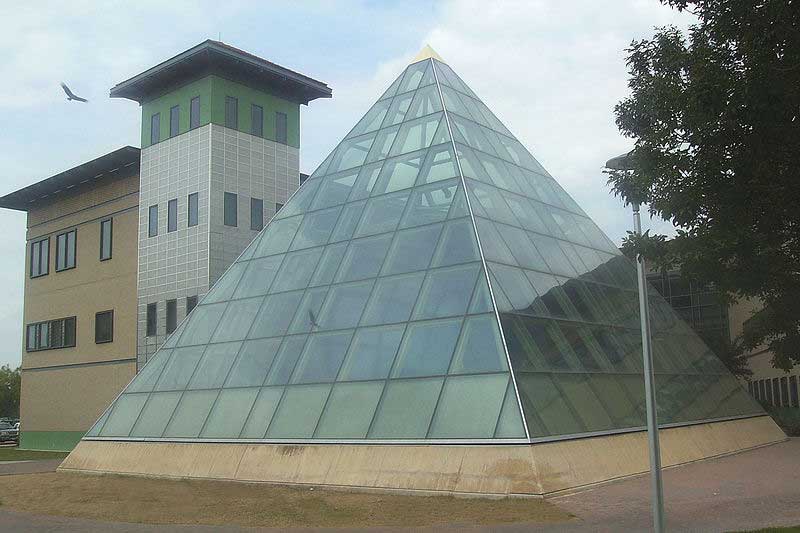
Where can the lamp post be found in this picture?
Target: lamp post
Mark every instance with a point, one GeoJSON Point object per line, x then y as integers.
{"type": "Point", "coordinates": [628, 162]}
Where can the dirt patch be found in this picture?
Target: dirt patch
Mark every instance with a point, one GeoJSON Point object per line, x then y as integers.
{"type": "Point", "coordinates": [162, 501]}
{"type": "Point", "coordinates": [15, 454]}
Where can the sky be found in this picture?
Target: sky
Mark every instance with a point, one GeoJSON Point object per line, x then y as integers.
{"type": "Point", "coordinates": [551, 70]}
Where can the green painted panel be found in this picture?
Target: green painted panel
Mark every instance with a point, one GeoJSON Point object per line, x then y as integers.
{"type": "Point", "coordinates": [212, 91]}
{"type": "Point", "coordinates": [49, 440]}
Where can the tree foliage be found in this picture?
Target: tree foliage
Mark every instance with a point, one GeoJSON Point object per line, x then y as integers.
{"type": "Point", "coordinates": [9, 392]}
{"type": "Point", "coordinates": [715, 114]}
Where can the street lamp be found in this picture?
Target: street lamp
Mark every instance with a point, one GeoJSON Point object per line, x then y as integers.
{"type": "Point", "coordinates": [627, 161]}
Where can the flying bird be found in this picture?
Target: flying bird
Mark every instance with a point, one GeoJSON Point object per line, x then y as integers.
{"type": "Point", "coordinates": [71, 95]}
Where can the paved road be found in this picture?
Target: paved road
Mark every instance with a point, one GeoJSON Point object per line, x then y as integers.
{"type": "Point", "coordinates": [28, 467]}
{"type": "Point", "coordinates": [745, 491]}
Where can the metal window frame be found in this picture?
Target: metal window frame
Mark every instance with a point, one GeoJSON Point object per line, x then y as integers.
{"type": "Point", "coordinates": [147, 331]}
{"type": "Point", "coordinates": [194, 118]}
{"type": "Point", "coordinates": [172, 214]}
{"type": "Point", "coordinates": [65, 234]}
{"type": "Point", "coordinates": [177, 109]}
{"type": "Point", "coordinates": [96, 317]}
{"type": "Point", "coordinates": [226, 211]}
{"type": "Point", "coordinates": [253, 210]}
{"type": "Point", "coordinates": [196, 197]}
{"type": "Point", "coordinates": [174, 302]}
{"type": "Point", "coordinates": [110, 221]}
{"type": "Point", "coordinates": [285, 139]}
{"type": "Point", "coordinates": [46, 263]}
{"type": "Point", "coordinates": [155, 132]}
{"type": "Point", "coordinates": [152, 221]}
{"type": "Point", "coordinates": [37, 334]}
{"type": "Point", "coordinates": [233, 123]}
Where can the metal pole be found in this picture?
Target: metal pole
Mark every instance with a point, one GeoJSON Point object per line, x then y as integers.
{"type": "Point", "coordinates": [649, 387]}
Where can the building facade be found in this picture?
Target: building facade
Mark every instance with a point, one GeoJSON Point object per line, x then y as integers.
{"type": "Point", "coordinates": [79, 345]}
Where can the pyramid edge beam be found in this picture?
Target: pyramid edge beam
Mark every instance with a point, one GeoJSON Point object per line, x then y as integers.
{"type": "Point", "coordinates": [484, 267]}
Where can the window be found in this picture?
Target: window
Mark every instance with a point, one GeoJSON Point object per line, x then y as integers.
{"type": "Point", "coordinates": [231, 112]}
{"type": "Point", "coordinates": [278, 207]}
{"type": "Point", "coordinates": [194, 112]}
{"type": "Point", "coordinates": [281, 134]}
{"type": "Point", "coordinates": [174, 120]}
{"type": "Point", "coordinates": [65, 250]}
{"type": "Point", "coordinates": [303, 178]}
{"type": "Point", "coordinates": [152, 221]}
{"type": "Point", "coordinates": [155, 128]}
{"type": "Point", "coordinates": [191, 303]}
{"type": "Point", "coordinates": [257, 120]}
{"type": "Point", "coordinates": [106, 238]}
{"type": "Point", "coordinates": [193, 209]}
{"type": "Point", "coordinates": [104, 327]}
{"type": "Point", "coordinates": [40, 257]}
{"type": "Point", "coordinates": [172, 315]}
{"type": "Point", "coordinates": [50, 335]}
{"type": "Point", "coordinates": [172, 215]}
{"type": "Point", "coordinates": [793, 394]}
{"type": "Point", "coordinates": [776, 392]}
{"type": "Point", "coordinates": [152, 319]}
{"type": "Point", "coordinates": [256, 214]}
{"type": "Point", "coordinates": [229, 210]}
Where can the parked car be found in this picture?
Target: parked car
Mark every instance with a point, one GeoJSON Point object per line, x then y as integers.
{"type": "Point", "coordinates": [9, 432]}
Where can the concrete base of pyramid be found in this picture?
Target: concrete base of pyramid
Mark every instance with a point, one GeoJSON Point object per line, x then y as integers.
{"type": "Point", "coordinates": [538, 469]}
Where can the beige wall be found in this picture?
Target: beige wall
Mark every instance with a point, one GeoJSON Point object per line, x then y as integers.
{"type": "Point", "coordinates": [66, 389]}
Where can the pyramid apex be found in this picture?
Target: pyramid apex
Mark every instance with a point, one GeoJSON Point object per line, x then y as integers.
{"type": "Point", "coordinates": [426, 53]}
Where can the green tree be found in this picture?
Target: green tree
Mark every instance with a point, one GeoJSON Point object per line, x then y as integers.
{"type": "Point", "coordinates": [715, 115]}
{"type": "Point", "coordinates": [9, 391]}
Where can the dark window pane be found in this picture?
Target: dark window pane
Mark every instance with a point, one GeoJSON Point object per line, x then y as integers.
{"type": "Point", "coordinates": [152, 320]}
{"type": "Point", "coordinates": [230, 215]}
{"type": "Point", "coordinates": [191, 303]}
{"type": "Point", "coordinates": [278, 207]}
{"type": "Point", "coordinates": [174, 121]}
{"type": "Point", "coordinates": [172, 315]}
{"type": "Point", "coordinates": [231, 112]}
{"type": "Point", "coordinates": [65, 250]}
{"type": "Point", "coordinates": [172, 215]}
{"type": "Point", "coordinates": [152, 221]}
{"type": "Point", "coordinates": [69, 332]}
{"type": "Point", "coordinates": [155, 128]}
{"type": "Point", "coordinates": [194, 112]}
{"type": "Point", "coordinates": [40, 258]}
{"type": "Point", "coordinates": [257, 120]}
{"type": "Point", "coordinates": [103, 327]}
{"type": "Point", "coordinates": [256, 214]}
{"type": "Point", "coordinates": [106, 239]}
{"type": "Point", "coordinates": [192, 209]}
{"type": "Point", "coordinates": [281, 128]}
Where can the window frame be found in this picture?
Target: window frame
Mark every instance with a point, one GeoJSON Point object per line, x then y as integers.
{"type": "Point", "coordinates": [152, 221]}
{"type": "Point", "coordinates": [232, 118]}
{"type": "Point", "coordinates": [193, 299]}
{"type": "Point", "coordinates": [172, 215]}
{"type": "Point", "coordinates": [194, 115]}
{"type": "Point", "coordinates": [175, 120]}
{"type": "Point", "coordinates": [45, 263]}
{"type": "Point", "coordinates": [96, 317]}
{"type": "Point", "coordinates": [226, 210]}
{"type": "Point", "coordinates": [278, 139]}
{"type": "Point", "coordinates": [148, 332]}
{"type": "Point", "coordinates": [259, 211]}
{"type": "Point", "coordinates": [110, 221]}
{"type": "Point", "coordinates": [155, 128]}
{"type": "Point", "coordinates": [259, 132]}
{"type": "Point", "coordinates": [174, 304]}
{"type": "Point", "coordinates": [278, 207]}
{"type": "Point", "coordinates": [37, 328]}
{"type": "Point", "coordinates": [66, 234]}
{"type": "Point", "coordinates": [196, 198]}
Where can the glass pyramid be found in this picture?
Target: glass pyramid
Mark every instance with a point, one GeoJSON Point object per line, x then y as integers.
{"type": "Point", "coordinates": [429, 282]}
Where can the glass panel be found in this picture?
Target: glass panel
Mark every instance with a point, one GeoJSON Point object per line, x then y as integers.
{"type": "Point", "coordinates": [229, 413]}
{"type": "Point", "coordinates": [494, 247]}
{"type": "Point", "coordinates": [156, 414]}
{"type": "Point", "coordinates": [397, 111]}
{"type": "Point", "coordinates": [372, 120]}
{"type": "Point", "coordinates": [545, 407]}
{"type": "Point", "coordinates": [261, 414]}
{"type": "Point", "coordinates": [345, 304]}
{"type": "Point", "coordinates": [351, 153]}
{"type": "Point", "coordinates": [469, 407]}
{"type": "Point", "coordinates": [492, 203]}
{"type": "Point", "coordinates": [123, 415]}
{"type": "Point", "coordinates": [521, 247]}
{"type": "Point", "coordinates": [235, 323]}
{"type": "Point", "coordinates": [379, 151]}
{"type": "Point", "coordinates": [254, 361]}
{"type": "Point", "coordinates": [382, 214]}
{"type": "Point", "coordinates": [480, 348]}
{"type": "Point", "coordinates": [429, 204]}
{"type": "Point", "coordinates": [287, 359]}
{"type": "Point", "coordinates": [446, 292]}
{"type": "Point", "coordinates": [224, 287]}
{"type": "Point", "coordinates": [298, 412]}
{"type": "Point", "coordinates": [427, 348]}
{"type": "Point", "coordinates": [191, 414]}
{"type": "Point", "coordinates": [329, 264]}
{"type": "Point", "coordinates": [406, 409]}
{"type": "Point", "coordinates": [275, 315]}
{"type": "Point", "coordinates": [278, 235]}
{"type": "Point", "coordinates": [457, 245]}
{"type": "Point", "coordinates": [371, 353]}
{"type": "Point", "coordinates": [214, 366]}
{"type": "Point", "coordinates": [335, 189]}
{"type": "Point", "coordinates": [148, 375]}
{"type": "Point", "coordinates": [398, 173]}
{"type": "Point", "coordinates": [553, 255]}
{"type": "Point", "coordinates": [322, 357]}
{"type": "Point", "coordinates": [393, 299]}
{"type": "Point", "coordinates": [258, 276]}
{"type": "Point", "coordinates": [413, 76]}
{"type": "Point", "coordinates": [296, 271]}
{"type": "Point", "coordinates": [364, 258]}
{"type": "Point", "coordinates": [412, 250]}
{"type": "Point", "coordinates": [440, 164]}
{"type": "Point", "coordinates": [426, 101]}
{"type": "Point", "coordinates": [348, 220]}
{"type": "Point", "coordinates": [308, 314]}
{"type": "Point", "coordinates": [349, 410]}
{"type": "Point", "coordinates": [179, 368]}
{"type": "Point", "coordinates": [509, 425]}
{"type": "Point", "coordinates": [316, 228]}
{"type": "Point", "coordinates": [415, 135]}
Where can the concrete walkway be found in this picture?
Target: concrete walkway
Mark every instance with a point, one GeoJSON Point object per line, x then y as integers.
{"type": "Point", "coordinates": [750, 490]}
{"type": "Point", "coordinates": [8, 468]}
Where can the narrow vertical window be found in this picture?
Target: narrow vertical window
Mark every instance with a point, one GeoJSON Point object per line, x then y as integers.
{"type": "Point", "coordinates": [281, 128]}
{"type": "Point", "coordinates": [776, 392]}
{"type": "Point", "coordinates": [104, 327]}
{"type": "Point", "coordinates": [278, 207]}
{"type": "Point", "coordinates": [172, 315]}
{"type": "Point", "coordinates": [65, 250]}
{"type": "Point", "coordinates": [152, 221]}
{"type": "Point", "coordinates": [172, 215]}
{"type": "Point", "coordinates": [155, 128]}
{"type": "Point", "coordinates": [257, 120]}
{"type": "Point", "coordinates": [152, 319]}
{"type": "Point", "coordinates": [230, 217]}
{"type": "Point", "coordinates": [40, 258]}
{"type": "Point", "coordinates": [303, 178]}
{"type": "Point", "coordinates": [793, 393]}
{"type": "Point", "coordinates": [174, 120]}
{"type": "Point", "coordinates": [106, 239]}
{"type": "Point", "coordinates": [256, 214]}
{"type": "Point", "coordinates": [194, 113]}
{"type": "Point", "coordinates": [192, 214]}
{"type": "Point", "coordinates": [191, 303]}
{"type": "Point", "coordinates": [231, 112]}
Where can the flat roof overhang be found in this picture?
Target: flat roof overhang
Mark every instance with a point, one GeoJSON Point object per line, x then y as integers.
{"type": "Point", "coordinates": [122, 162]}
{"type": "Point", "coordinates": [214, 57]}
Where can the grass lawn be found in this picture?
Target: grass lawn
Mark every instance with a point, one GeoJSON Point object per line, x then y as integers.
{"type": "Point", "coordinates": [162, 501]}
{"type": "Point", "coordinates": [14, 454]}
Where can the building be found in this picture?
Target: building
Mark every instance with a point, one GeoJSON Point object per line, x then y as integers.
{"type": "Point", "coordinates": [220, 156]}
{"type": "Point", "coordinates": [430, 311]}
{"type": "Point", "coordinates": [78, 352]}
